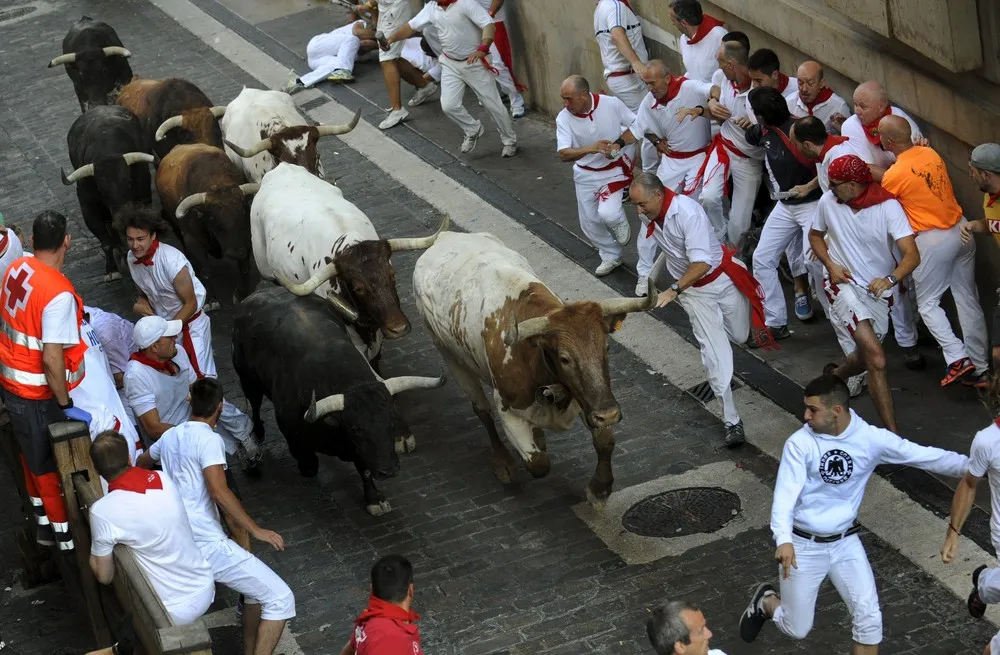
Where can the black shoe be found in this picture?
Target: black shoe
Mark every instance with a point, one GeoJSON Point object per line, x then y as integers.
{"type": "Point", "coordinates": [913, 359]}
{"type": "Point", "coordinates": [735, 436]}
{"type": "Point", "coordinates": [976, 605]}
{"type": "Point", "coordinates": [754, 618]}
{"type": "Point", "coordinates": [777, 333]}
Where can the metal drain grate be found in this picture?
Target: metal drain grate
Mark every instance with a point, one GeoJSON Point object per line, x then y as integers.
{"type": "Point", "coordinates": [314, 103]}
{"type": "Point", "coordinates": [702, 392]}
{"type": "Point", "coordinates": [680, 512]}
{"type": "Point", "coordinates": [16, 12]}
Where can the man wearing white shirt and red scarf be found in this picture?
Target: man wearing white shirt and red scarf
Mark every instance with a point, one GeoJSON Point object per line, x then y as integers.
{"type": "Point", "coordinates": [466, 33]}
{"type": "Point", "coordinates": [856, 223]}
{"type": "Point", "coordinates": [500, 50]}
{"type": "Point", "coordinates": [585, 131]}
{"type": "Point", "coordinates": [824, 469]}
{"type": "Point", "coordinates": [672, 113]}
{"type": "Point", "coordinates": [731, 154]}
{"type": "Point", "coordinates": [701, 37]}
{"type": "Point", "coordinates": [765, 70]}
{"type": "Point", "coordinates": [815, 98]}
{"type": "Point", "coordinates": [720, 296]}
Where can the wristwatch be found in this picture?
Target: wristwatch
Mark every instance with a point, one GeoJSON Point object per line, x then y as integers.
{"type": "Point", "coordinates": [67, 405]}
{"type": "Point", "coordinates": [892, 279]}
{"type": "Point", "coordinates": [676, 288]}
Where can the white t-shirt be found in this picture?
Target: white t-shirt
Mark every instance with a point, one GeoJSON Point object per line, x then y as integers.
{"type": "Point", "coordinates": [825, 111]}
{"type": "Point", "coordinates": [115, 334]}
{"type": "Point", "coordinates": [868, 151]}
{"type": "Point", "coordinates": [609, 14]}
{"type": "Point", "coordinates": [59, 320]}
{"type": "Point", "coordinates": [148, 389]}
{"type": "Point", "coordinates": [155, 526]}
{"type": "Point", "coordinates": [738, 103]}
{"type": "Point", "coordinates": [501, 14]}
{"type": "Point", "coordinates": [823, 168]}
{"type": "Point", "coordinates": [10, 250]}
{"type": "Point", "coordinates": [661, 120]}
{"type": "Point", "coordinates": [608, 119]}
{"type": "Point", "coordinates": [459, 27]}
{"type": "Point", "coordinates": [862, 242]}
{"type": "Point", "coordinates": [157, 281]}
{"type": "Point", "coordinates": [686, 236]}
{"type": "Point", "coordinates": [700, 58]}
{"type": "Point", "coordinates": [984, 457]}
{"type": "Point", "coordinates": [185, 451]}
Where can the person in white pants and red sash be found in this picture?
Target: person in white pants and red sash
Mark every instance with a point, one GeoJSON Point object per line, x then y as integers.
{"type": "Point", "coordinates": [701, 37]}
{"type": "Point", "coordinates": [585, 133]}
{"type": "Point", "coordinates": [503, 59]}
{"type": "Point", "coordinates": [672, 116]}
{"type": "Point", "coordinates": [718, 293]}
{"type": "Point", "coordinates": [824, 469]}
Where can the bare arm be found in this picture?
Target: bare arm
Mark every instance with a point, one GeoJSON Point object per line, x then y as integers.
{"type": "Point", "coordinates": [348, 649]}
{"type": "Point", "coordinates": [184, 286]}
{"type": "Point", "coordinates": [363, 33]}
{"type": "Point", "coordinates": [403, 33]}
{"type": "Point", "coordinates": [55, 371]}
{"type": "Point", "coordinates": [142, 306]}
{"type": "Point", "coordinates": [495, 7]}
{"type": "Point", "coordinates": [961, 505]}
{"type": "Point", "coordinates": [215, 479]}
{"type": "Point", "coordinates": [573, 154]}
{"type": "Point", "coordinates": [620, 39]}
{"type": "Point", "coordinates": [695, 271]}
{"type": "Point", "coordinates": [152, 425]}
{"type": "Point", "coordinates": [911, 257]}
{"type": "Point", "coordinates": [103, 568]}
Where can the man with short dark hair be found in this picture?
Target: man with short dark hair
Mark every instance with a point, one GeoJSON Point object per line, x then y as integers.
{"type": "Point", "coordinates": [701, 36]}
{"type": "Point", "coordinates": [823, 471]}
{"type": "Point", "coordinates": [142, 510]}
{"type": "Point", "coordinates": [765, 70]}
{"type": "Point", "coordinates": [815, 98]}
{"type": "Point", "coordinates": [388, 625]}
{"type": "Point", "coordinates": [679, 628]}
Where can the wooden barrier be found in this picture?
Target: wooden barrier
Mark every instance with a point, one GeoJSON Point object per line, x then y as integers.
{"type": "Point", "coordinates": [133, 592]}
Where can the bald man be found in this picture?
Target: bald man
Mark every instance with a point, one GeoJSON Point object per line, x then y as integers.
{"type": "Point", "coordinates": [815, 98]}
{"type": "Point", "coordinates": [919, 180]}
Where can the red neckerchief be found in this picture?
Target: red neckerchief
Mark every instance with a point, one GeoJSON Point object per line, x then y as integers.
{"type": "Point", "coordinates": [871, 129]}
{"type": "Point", "coordinates": [444, 3]}
{"type": "Point", "coordinates": [824, 94]}
{"type": "Point", "coordinates": [147, 259]}
{"type": "Point", "coordinates": [782, 82]}
{"type": "Point", "coordinates": [831, 141]}
{"type": "Point", "coordinates": [594, 99]}
{"type": "Point", "coordinates": [875, 194]}
{"type": "Point", "coordinates": [993, 199]}
{"type": "Point", "coordinates": [708, 23]}
{"type": "Point", "coordinates": [168, 367]}
{"type": "Point", "coordinates": [136, 479]}
{"type": "Point", "coordinates": [740, 89]}
{"type": "Point", "coordinates": [791, 147]}
{"type": "Point", "coordinates": [673, 88]}
{"type": "Point", "coordinates": [668, 197]}
{"type": "Point", "coordinates": [378, 608]}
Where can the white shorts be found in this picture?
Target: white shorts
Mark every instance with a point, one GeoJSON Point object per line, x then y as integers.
{"type": "Point", "coordinates": [391, 17]}
{"type": "Point", "coordinates": [243, 572]}
{"type": "Point", "coordinates": [850, 304]}
{"type": "Point", "coordinates": [190, 609]}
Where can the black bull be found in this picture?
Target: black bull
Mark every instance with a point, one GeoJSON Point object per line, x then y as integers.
{"type": "Point", "coordinates": [95, 61]}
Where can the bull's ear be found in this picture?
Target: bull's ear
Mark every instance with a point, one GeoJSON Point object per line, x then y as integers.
{"type": "Point", "coordinates": [614, 322]}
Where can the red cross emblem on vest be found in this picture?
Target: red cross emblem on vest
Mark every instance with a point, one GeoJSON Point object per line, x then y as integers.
{"type": "Point", "coordinates": [17, 288]}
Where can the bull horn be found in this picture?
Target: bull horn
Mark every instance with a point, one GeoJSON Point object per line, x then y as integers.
{"type": "Point", "coordinates": [411, 383]}
{"type": "Point", "coordinates": [614, 306]}
{"type": "Point", "coordinates": [520, 331]}
{"type": "Point", "coordinates": [305, 288]}
{"type": "Point", "coordinates": [419, 243]}
{"type": "Point", "coordinates": [138, 158]}
{"type": "Point", "coordinates": [252, 151]}
{"type": "Point", "coordinates": [328, 405]}
{"type": "Point", "coordinates": [342, 307]}
{"type": "Point", "coordinates": [333, 130]}
{"type": "Point", "coordinates": [167, 125]}
{"type": "Point", "coordinates": [114, 50]}
{"type": "Point", "coordinates": [68, 58]}
{"type": "Point", "coordinates": [218, 111]}
{"type": "Point", "coordinates": [249, 189]}
{"type": "Point", "coordinates": [77, 175]}
{"type": "Point", "coordinates": [190, 203]}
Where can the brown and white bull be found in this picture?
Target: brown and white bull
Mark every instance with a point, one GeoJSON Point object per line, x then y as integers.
{"type": "Point", "coordinates": [172, 112]}
{"type": "Point", "coordinates": [265, 128]}
{"type": "Point", "coordinates": [496, 323]}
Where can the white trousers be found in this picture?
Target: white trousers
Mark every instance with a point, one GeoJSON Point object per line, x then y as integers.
{"type": "Point", "coordinates": [455, 76]}
{"type": "Point", "coordinates": [947, 264]}
{"type": "Point", "coordinates": [630, 89]}
{"type": "Point", "coordinates": [327, 53]}
{"type": "Point", "coordinates": [243, 572]}
{"type": "Point", "coordinates": [190, 609]}
{"type": "Point", "coordinates": [746, 174]}
{"type": "Point", "coordinates": [850, 572]}
{"type": "Point", "coordinates": [676, 175]}
{"type": "Point", "coordinates": [505, 79]}
{"type": "Point", "coordinates": [904, 309]}
{"type": "Point", "coordinates": [786, 225]}
{"type": "Point", "coordinates": [719, 313]}
{"type": "Point", "coordinates": [599, 211]}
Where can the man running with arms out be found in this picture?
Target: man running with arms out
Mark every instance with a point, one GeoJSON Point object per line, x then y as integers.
{"type": "Point", "coordinates": [825, 467]}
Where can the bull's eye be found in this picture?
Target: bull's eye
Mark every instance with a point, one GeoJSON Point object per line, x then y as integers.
{"type": "Point", "coordinates": [565, 360]}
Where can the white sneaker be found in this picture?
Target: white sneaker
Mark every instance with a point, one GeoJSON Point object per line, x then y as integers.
{"type": "Point", "coordinates": [621, 232]}
{"type": "Point", "coordinates": [395, 117]}
{"type": "Point", "coordinates": [857, 383]}
{"type": "Point", "coordinates": [341, 75]}
{"type": "Point", "coordinates": [470, 141]}
{"type": "Point", "coordinates": [294, 85]}
{"type": "Point", "coordinates": [607, 265]}
{"type": "Point", "coordinates": [423, 95]}
{"type": "Point", "coordinates": [642, 286]}
{"type": "Point", "coordinates": [518, 112]}
{"type": "Point", "coordinates": [509, 150]}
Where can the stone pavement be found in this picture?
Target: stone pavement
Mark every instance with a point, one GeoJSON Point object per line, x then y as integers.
{"type": "Point", "coordinates": [498, 570]}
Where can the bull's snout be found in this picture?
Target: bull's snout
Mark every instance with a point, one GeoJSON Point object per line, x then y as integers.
{"type": "Point", "coordinates": [601, 418]}
{"type": "Point", "coordinates": [396, 329]}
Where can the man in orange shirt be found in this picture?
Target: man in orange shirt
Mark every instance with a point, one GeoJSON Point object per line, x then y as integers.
{"type": "Point", "coordinates": [984, 168]}
{"type": "Point", "coordinates": [919, 180]}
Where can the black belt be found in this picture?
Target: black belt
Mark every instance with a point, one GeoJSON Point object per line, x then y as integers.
{"type": "Point", "coordinates": [854, 529]}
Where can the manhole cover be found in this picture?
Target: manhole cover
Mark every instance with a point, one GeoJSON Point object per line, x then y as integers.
{"type": "Point", "coordinates": [16, 12]}
{"type": "Point", "coordinates": [679, 512]}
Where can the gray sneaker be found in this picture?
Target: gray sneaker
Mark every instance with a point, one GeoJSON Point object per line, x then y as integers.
{"type": "Point", "coordinates": [735, 436]}
{"type": "Point", "coordinates": [471, 140]}
{"type": "Point", "coordinates": [423, 94]}
{"type": "Point", "coordinates": [621, 232]}
{"type": "Point", "coordinates": [395, 117]}
{"type": "Point", "coordinates": [607, 265]}
{"type": "Point", "coordinates": [509, 150]}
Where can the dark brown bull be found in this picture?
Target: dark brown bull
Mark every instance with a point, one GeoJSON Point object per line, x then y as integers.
{"type": "Point", "coordinates": [172, 112]}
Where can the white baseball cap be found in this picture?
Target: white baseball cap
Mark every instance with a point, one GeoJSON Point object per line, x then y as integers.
{"type": "Point", "coordinates": [149, 329]}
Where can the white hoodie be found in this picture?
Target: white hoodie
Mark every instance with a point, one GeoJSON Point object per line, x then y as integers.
{"type": "Point", "coordinates": [822, 478]}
